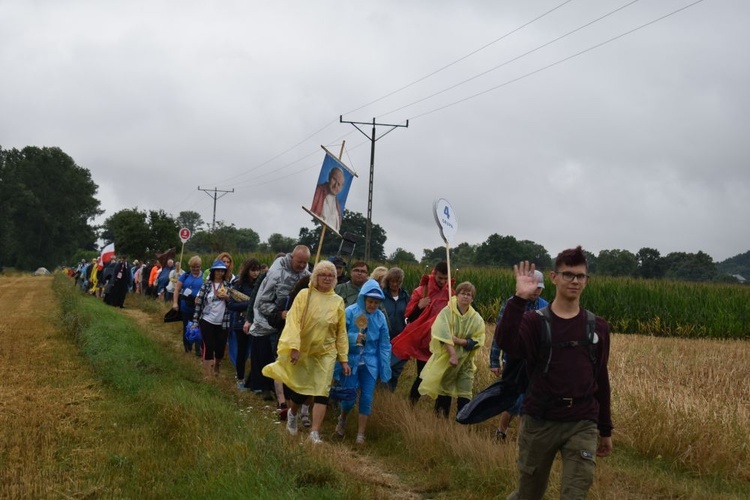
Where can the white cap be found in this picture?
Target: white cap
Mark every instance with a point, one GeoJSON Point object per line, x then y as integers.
{"type": "Point", "coordinates": [540, 278]}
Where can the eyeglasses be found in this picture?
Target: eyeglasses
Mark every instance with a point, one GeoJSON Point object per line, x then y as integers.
{"type": "Point", "coordinates": [327, 276]}
{"type": "Point", "coordinates": [359, 270]}
{"type": "Point", "coordinates": [568, 276]}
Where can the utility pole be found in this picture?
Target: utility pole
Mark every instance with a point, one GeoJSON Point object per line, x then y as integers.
{"type": "Point", "coordinates": [373, 138]}
{"type": "Point", "coordinates": [215, 196]}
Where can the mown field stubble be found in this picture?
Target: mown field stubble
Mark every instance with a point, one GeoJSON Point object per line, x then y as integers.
{"type": "Point", "coordinates": [121, 412]}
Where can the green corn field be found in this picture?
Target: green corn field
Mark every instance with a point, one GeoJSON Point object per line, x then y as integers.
{"type": "Point", "coordinates": [649, 307]}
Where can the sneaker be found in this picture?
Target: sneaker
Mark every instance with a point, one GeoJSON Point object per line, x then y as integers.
{"type": "Point", "coordinates": [341, 426]}
{"type": "Point", "coordinates": [315, 438]}
{"type": "Point", "coordinates": [305, 419]}
{"type": "Point", "coordinates": [291, 424]}
{"type": "Point", "coordinates": [360, 439]}
{"type": "Point", "coordinates": [241, 386]}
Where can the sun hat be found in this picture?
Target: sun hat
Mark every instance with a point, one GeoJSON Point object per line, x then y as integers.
{"type": "Point", "coordinates": [218, 264]}
{"type": "Point", "coordinates": [540, 278]}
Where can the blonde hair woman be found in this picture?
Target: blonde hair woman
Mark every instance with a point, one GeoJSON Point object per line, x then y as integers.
{"type": "Point", "coordinates": [313, 339]}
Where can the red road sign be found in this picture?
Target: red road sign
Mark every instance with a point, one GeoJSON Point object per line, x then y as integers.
{"type": "Point", "coordinates": [184, 234]}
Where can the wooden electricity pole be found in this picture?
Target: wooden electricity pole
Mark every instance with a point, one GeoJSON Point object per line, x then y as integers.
{"type": "Point", "coordinates": [373, 138]}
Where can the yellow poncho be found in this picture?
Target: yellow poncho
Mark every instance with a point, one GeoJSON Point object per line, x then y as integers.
{"type": "Point", "coordinates": [439, 378]}
{"type": "Point", "coordinates": [320, 341]}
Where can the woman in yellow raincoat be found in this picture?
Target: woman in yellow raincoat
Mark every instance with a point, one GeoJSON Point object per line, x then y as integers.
{"type": "Point", "coordinates": [457, 334]}
{"type": "Point", "coordinates": [313, 339]}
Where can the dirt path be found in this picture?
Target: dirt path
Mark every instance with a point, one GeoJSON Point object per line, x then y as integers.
{"type": "Point", "coordinates": [366, 468]}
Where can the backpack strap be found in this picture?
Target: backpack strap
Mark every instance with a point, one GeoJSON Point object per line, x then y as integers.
{"type": "Point", "coordinates": [546, 345]}
{"type": "Point", "coordinates": [546, 348]}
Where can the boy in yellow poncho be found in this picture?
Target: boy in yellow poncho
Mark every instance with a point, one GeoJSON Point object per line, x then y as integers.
{"type": "Point", "coordinates": [457, 334]}
{"type": "Point", "coordinates": [313, 338]}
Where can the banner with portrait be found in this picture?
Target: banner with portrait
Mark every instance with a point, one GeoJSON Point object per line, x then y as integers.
{"type": "Point", "coordinates": [331, 192]}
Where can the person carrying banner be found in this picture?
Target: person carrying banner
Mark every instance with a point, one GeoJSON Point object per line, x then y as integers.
{"type": "Point", "coordinates": [427, 300]}
{"type": "Point", "coordinates": [313, 339]}
{"type": "Point", "coordinates": [567, 403]}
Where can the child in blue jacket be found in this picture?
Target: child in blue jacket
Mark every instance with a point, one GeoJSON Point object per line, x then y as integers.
{"type": "Point", "coordinates": [369, 354]}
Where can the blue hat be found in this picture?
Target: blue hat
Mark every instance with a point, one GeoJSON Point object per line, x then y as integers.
{"type": "Point", "coordinates": [218, 264]}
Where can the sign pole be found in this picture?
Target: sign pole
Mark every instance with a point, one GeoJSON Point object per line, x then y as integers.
{"type": "Point", "coordinates": [446, 220]}
{"type": "Point", "coordinates": [184, 237]}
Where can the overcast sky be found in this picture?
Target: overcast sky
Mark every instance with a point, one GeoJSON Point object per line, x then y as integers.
{"type": "Point", "coordinates": [640, 142]}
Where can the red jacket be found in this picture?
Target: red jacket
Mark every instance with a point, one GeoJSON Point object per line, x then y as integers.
{"type": "Point", "coordinates": [414, 340]}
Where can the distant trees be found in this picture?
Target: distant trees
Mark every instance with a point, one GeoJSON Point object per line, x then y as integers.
{"type": "Point", "coordinates": [648, 263]}
{"type": "Point", "coordinates": [739, 264]}
{"type": "Point", "coordinates": [278, 243]}
{"type": "Point", "coordinates": [497, 250]}
{"type": "Point", "coordinates": [191, 220]}
{"type": "Point", "coordinates": [140, 234]}
{"type": "Point", "coordinates": [355, 223]}
{"type": "Point", "coordinates": [617, 263]}
{"type": "Point", "coordinates": [402, 256]}
{"type": "Point", "coordinates": [47, 205]}
{"type": "Point", "coordinates": [224, 239]}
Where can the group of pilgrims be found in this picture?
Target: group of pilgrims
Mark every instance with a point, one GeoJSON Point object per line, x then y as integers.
{"type": "Point", "coordinates": [313, 335]}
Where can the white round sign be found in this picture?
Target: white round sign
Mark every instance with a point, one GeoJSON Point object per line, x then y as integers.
{"type": "Point", "coordinates": [184, 234]}
{"type": "Point", "coordinates": [446, 219]}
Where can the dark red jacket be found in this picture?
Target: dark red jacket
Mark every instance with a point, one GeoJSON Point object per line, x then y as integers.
{"type": "Point", "coordinates": [414, 340]}
{"type": "Point", "coordinates": [571, 373]}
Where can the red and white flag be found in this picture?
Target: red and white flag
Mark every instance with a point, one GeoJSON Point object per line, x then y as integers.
{"type": "Point", "coordinates": [107, 253]}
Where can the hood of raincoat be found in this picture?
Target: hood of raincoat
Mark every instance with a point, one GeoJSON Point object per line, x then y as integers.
{"type": "Point", "coordinates": [371, 288]}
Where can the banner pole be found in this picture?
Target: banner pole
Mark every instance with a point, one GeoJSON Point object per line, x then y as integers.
{"type": "Point", "coordinates": [317, 253]}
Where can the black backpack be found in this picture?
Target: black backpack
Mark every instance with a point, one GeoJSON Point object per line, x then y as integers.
{"type": "Point", "coordinates": [548, 348]}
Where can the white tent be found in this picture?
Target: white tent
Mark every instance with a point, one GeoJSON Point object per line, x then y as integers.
{"type": "Point", "coordinates": [42, 271]}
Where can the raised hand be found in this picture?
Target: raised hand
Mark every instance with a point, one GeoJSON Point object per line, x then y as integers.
{"type": "Point", "coordinates": [526, 283]}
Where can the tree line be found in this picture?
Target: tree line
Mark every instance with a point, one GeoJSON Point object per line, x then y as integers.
{"type": "Point", "coordinates": [49, 203]}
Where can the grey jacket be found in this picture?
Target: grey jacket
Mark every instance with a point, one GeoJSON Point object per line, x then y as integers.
{"type": "Point", "coordinates": [273, 294]}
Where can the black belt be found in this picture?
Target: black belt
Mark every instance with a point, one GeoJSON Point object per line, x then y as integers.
{"type": "Point", "coordinates": [568, 402]}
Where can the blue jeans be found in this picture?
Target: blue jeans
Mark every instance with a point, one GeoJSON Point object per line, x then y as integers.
{"type": "Point", "coordinates": [366, 384]}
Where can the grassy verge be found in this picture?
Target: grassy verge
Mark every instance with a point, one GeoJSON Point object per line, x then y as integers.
{"type": "Point", "coordinates": [168, 434]}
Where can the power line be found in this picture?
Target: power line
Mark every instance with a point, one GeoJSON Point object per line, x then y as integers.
{"type": "Point", "coordinates": [593, 47]}
{"type": "Point", "coordinates": [509, 61]}
{"type": "Point", "coordinates": [389, 94]}
{"type": "Point", "coordinates": [291, 148]}
{"type": "Point", "coordinates": [506, 35]}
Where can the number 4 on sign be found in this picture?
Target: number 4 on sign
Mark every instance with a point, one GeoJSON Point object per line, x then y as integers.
{"type": "Point", "coordinates": [446, 220]}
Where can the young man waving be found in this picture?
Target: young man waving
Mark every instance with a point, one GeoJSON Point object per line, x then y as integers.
{"type": "Point", "coordinates": [567, 405]}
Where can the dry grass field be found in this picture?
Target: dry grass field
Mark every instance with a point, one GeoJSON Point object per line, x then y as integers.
{"type": "Point", "coordinates": [681, 414]}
